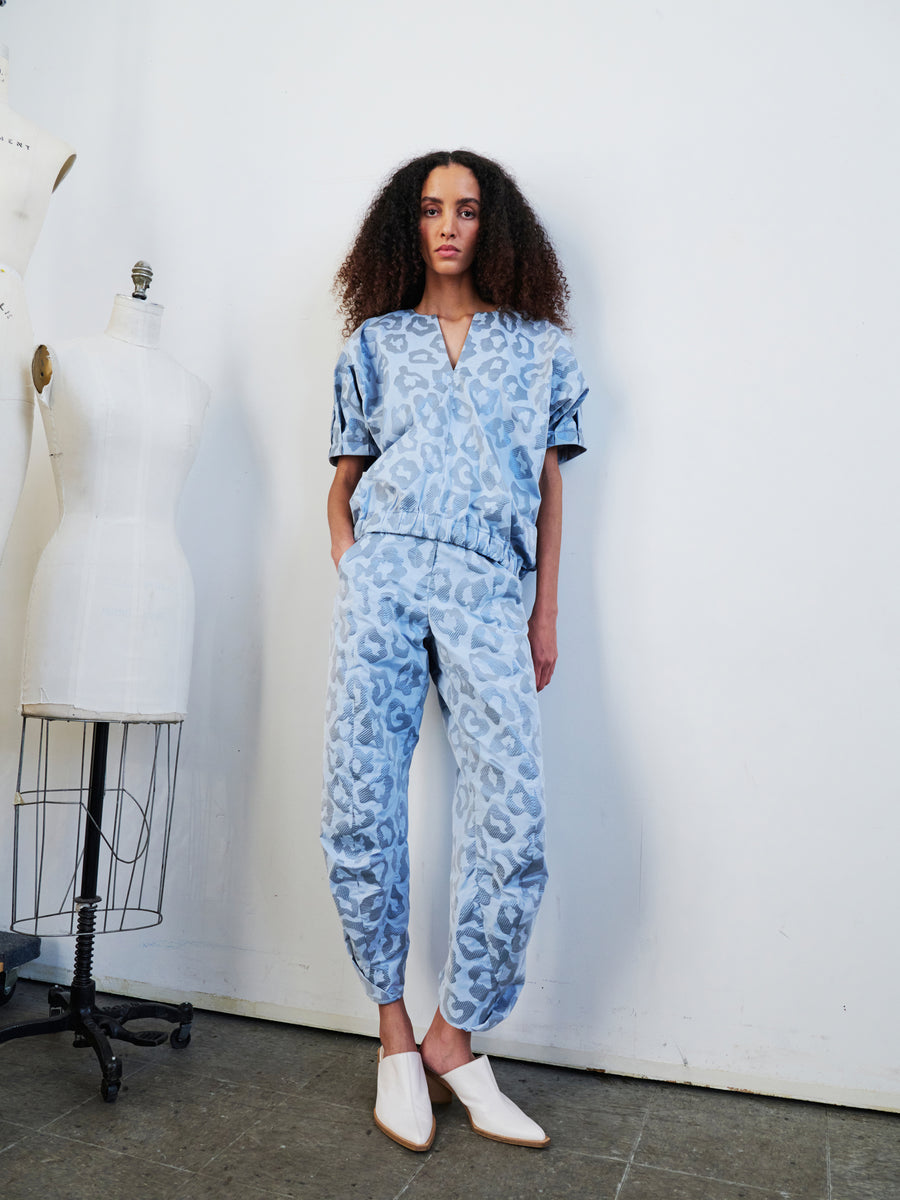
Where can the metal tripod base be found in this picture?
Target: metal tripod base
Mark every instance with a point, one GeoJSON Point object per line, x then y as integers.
{"type": "Point", "coordinates": [74, 1008]}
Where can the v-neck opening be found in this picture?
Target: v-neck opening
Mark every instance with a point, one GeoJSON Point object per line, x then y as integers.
{"type": "Point", "coordinates": [462, 345]}
{"type": "Point", "coordinates": [465, 341]}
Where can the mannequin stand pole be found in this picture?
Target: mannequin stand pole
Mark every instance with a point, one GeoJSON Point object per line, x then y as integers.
{"type": "Point", "coordinates": [75, 1008]}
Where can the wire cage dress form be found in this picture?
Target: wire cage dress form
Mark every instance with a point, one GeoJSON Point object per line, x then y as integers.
{"type": "Point", "coordinates": [109, 630]}
{"type": "Point", "coordinates": [132, 826]}
{"type": "Point", "coordinates": [108, 644]}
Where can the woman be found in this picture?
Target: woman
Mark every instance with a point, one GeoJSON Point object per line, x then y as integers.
{"type": "Point", "coordinates": [456, 397]}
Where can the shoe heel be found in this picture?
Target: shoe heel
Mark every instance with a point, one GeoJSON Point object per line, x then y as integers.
{"type": "Point", "coordinates": [438, 1092]}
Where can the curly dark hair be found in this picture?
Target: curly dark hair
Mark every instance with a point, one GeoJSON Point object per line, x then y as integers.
{"type": "Point", "coordinates": [515, 266]}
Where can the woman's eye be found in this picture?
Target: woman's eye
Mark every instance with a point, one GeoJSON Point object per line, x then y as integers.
{"type": "Point", "coordinates": [469, 213]}
{"type": "Point", "coordinates": [429, 212]}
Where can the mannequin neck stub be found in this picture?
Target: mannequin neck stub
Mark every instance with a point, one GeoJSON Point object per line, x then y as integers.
{"type": "Point", "coordinates": [135, 321]}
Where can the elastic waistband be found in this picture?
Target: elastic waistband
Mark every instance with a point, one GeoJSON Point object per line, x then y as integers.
{"type": "Point", "coordinates": [466, 532]}
{"type": "Point", "coordinates": [6, 269]}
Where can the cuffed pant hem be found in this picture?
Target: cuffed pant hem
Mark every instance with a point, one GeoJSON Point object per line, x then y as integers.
{"type": "Point", "coordinates": [474, 1025]}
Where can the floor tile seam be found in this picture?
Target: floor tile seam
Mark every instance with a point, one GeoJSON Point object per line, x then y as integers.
{"type": "Point", "coordinates": [211, 1077]}
{"type": "Point", "coordinates": [130, 1065]}
{"type": "Point", "coordinates": [633, 1151]}
{"type": "Point", "coordinates": [829, 1193]}
{"type": "Point", "coordinates": [266, 1194]}
{"type": "Point", "coordinates": [259, 1114]}
{"type": "Point", "coordinates": [580, 1153]}
{"type": "Point", "coordinates": [280, 1093]}
{"type": "Point", "coordinates": [753, 1187]}
{"type": "Point", "coordinates": [136, 1066]}
{"type": "Point", "coordinates": [601, 1111]}
{"type": "Point", "coordinates": [224, 1149]}
{"type": "Point", "coordinates": [26, 1132]}
{"type": "Point", "coordinates": [622, 1181]}
{"type": "Point", "coordinates": [415, 1175]}
{"type": "Point", "coordinates": [237, 1102]}
{"type": "Point", "coordinates": [45, 1128]}
{"type": "Point", "coordinates": [320, 1101]}
{"type": "Point", "coordinates": [334, 1059]}
{"type": "Point", "coordinates": [23, 1125]}
{"type": "Point", "coordinates": [639, 1135]}
{"type": "Point", "coordinates": [237, 1084]}
{"type": "Point", "coordinates": [707, 1097]}
{"type": "Point", "coordinates": [154, 1162]}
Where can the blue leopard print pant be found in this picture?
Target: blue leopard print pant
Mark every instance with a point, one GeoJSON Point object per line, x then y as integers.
{"type": "Point", "coordinates": [408, 608]}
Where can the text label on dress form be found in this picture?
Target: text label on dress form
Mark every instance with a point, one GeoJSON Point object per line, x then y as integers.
{"type": "Point", "coordinates": [5, 311]}
{"type": "Point", "coordinates": [15, 142]}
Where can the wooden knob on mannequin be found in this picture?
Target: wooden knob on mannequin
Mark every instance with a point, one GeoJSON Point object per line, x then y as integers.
{"type": "Point", "coordinates": [41, 368]}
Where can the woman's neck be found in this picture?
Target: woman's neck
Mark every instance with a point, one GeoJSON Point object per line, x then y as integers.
{"type": "Point", "coordinates": [451, 297]}
{"type": "Point", "coordinates": [135, 321]}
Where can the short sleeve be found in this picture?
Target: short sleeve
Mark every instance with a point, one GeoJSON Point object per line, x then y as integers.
{"type": "Point", "coordinates": [349, 431]}
{"type": "Point", "coordinates": [567, 392]}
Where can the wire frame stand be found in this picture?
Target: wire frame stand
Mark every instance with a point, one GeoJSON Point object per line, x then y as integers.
{"type": "Point", "coordinates": [125, 844]}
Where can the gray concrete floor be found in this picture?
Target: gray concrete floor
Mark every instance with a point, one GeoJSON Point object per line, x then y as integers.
{"type": "Point", "coordinates": [260, 1110]}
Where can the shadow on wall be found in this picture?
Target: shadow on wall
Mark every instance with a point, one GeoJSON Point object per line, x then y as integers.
{"type": "Point", "coordinates": [593, 831]}
{"type": "Point", "coordinates": [221, 523]}
{"type": "Point", "coordinates": [289, 900]}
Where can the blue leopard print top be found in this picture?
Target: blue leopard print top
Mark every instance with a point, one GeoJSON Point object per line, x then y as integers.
{"type": "Point", "coordinates": [457, 452]}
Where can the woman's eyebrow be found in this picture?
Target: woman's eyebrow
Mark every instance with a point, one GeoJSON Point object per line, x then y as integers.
{"type": "Point", "coordinates": [462, 200]}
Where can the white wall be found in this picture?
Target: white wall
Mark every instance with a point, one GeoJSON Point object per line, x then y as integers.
{"type": "Point", "coordinates": [721, 178]}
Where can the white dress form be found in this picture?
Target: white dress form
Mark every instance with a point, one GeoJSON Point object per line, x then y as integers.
{"type": "Point", "coordinates": [109, 632]}
{"type": "Point", "coordinates": [32, 164]}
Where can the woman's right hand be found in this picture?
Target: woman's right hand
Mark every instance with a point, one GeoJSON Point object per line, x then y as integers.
{"type": "Point", "coordinates": [349, 471]}
{"type": "Point", "coordinates": [338, 550]}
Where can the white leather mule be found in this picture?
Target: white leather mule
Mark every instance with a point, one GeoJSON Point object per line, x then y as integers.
{"type": "Point", "coordinates": [491, 1114]}
{"type": "Point", "coordinates": [402, 1107]}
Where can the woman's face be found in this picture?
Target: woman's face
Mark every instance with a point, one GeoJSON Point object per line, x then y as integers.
{"type": "Point", "coordinates": [448, 219]}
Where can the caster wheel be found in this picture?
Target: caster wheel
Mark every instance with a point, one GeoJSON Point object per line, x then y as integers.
{"type": "Point", "coordinates": [109, 1090]}
{"type": "Point", "coordinates": [179, 1038]}
{"type": "Point", "coordinates": [7, 986]}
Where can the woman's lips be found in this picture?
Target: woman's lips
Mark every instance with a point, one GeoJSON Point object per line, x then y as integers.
{"type": "Point", "coordinates": [447, 251]}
